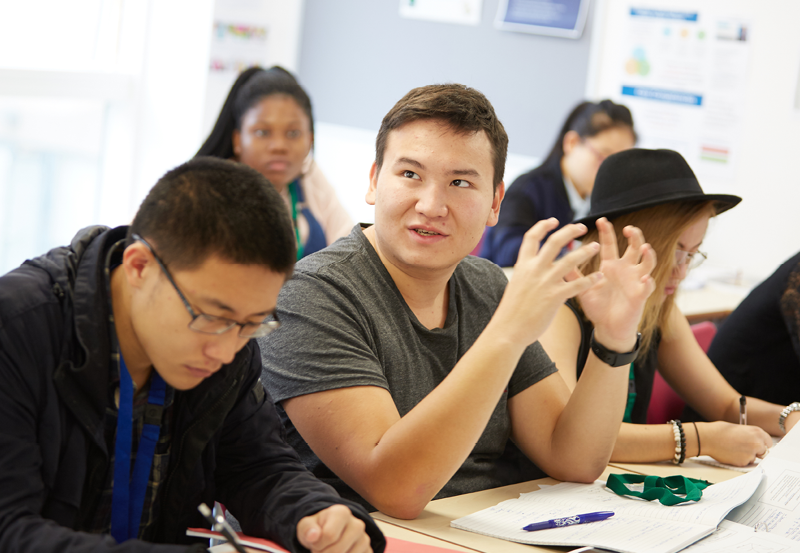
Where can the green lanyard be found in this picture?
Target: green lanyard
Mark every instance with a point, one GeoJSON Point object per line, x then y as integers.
{"type": "Point", "coordinates": [293, 195]}
{"type": "Point", "coordinates": [668, 491]}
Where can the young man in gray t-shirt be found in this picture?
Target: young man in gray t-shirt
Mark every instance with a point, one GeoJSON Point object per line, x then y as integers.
{"type": "Point", "coordinates": [408, 370]}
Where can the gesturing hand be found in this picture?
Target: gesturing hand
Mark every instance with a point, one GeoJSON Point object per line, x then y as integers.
{"type": "Point", "coordinates": [333, 530]}
{"type": "Point", "coordinates": [616, 303]}
{"type": "Point", "coordinates": [540, 283]}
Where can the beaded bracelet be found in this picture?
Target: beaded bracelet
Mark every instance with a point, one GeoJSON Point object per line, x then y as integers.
{"type": "Point", "coordinates": [680, 442]}
{"type": "Point", "coordinates": [785, 413]}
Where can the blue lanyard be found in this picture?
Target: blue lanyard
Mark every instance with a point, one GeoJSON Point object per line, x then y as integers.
{"type": "Point", "coordinates": [127, 498]}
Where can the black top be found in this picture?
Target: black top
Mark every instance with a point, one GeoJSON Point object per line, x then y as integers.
{"type": "Point", "coordinates": [644, 368]}
{"type": "Point", "coordinates": [757, 349]}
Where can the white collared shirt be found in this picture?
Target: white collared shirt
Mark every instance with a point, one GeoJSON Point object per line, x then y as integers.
{"type": "Point", "coordinates": [580, 206]}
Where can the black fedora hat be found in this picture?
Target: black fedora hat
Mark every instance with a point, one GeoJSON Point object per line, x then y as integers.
{"type": "Point", "coordinates": [637, 178]}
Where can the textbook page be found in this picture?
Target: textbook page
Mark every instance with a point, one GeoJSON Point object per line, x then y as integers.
{"type": "Point", "coordinates": [636, 526]}
{"type": "Point", "coordinates": [775, 506]}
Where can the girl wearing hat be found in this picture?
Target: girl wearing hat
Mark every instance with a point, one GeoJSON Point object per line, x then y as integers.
{"type": "Point", "coordinates": [656, 191]}
{"type": "Point", "coordinates": [560, 187]}
{"type": "Point", "coordinates": [267, 124]}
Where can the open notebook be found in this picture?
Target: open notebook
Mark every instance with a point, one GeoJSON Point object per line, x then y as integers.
{"type": "Point", "coordinates": [636, 526]}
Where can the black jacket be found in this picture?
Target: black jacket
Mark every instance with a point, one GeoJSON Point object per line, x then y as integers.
{"type": "Point", "coordinates": [536, 195]}
{"type": "Point", "coordinates": [54, 368]}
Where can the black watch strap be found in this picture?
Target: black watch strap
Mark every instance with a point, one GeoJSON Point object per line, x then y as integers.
{"type": "Point", "coordinates": [613, 358]}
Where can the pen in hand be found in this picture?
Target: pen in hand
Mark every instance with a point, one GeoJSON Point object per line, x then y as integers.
{"type": "Point", "coordinates": [569, 521]}
{"type": "Point", "coordinates": [220, 525]}
{"type": "Point", "coordinates": [742, 410]}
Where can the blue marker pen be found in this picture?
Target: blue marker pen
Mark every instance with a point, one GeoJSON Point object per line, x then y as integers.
{"type": "Point", "coordinates": [569, 521]}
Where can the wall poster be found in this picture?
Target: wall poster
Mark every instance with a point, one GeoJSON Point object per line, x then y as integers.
{"type": "Point", "coordinates": [683, 73]}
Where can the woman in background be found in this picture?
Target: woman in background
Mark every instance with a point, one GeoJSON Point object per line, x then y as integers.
{"type": "Point", "coordinates": [656, 191]}
{"type": "Point", "coordinates": [266, 123]}
{"type": "Point", "coordinates": [561, 186]}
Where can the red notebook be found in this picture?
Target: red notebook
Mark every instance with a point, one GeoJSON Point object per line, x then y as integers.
{"type": "Point", "coordinates": [393, 545]}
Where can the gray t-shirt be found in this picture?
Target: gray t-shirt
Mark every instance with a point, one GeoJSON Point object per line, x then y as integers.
{"type": "Point", "coordinates": [344, 323]}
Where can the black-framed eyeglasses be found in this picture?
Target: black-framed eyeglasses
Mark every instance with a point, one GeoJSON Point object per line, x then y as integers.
{"type": "Point", "coordinates": [692, 259]}
{"type": "Point", "coordinates": [211, 324]}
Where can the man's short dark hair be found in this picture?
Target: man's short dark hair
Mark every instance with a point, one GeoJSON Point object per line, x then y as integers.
{"type": "Point", "coordinates": [211, 206]}
{"type": "Point", "coordinates": [463, 109]}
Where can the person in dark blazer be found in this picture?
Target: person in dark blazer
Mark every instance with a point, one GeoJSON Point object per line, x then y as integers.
{"type": "Point", "coordinates": [562, 185]}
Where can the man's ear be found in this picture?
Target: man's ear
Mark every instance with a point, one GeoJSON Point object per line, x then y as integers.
{"type": "Point", "coordinates": [571, 139]}
{"type": "Point", "coordinates": [494, 214]}
{"type": "Point", "coordinates": [138, 263]}
{"type": "Point", "coordinates": [373, 184]}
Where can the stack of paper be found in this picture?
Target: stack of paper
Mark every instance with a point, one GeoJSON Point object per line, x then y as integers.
{"type": "Point", "coordinates": [775, 506]}
{"type": "Point", "coordinates": [636, 526]}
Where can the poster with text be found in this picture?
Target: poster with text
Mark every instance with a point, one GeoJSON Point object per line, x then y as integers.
{"type": "Point", "coordinates": [683, 73]}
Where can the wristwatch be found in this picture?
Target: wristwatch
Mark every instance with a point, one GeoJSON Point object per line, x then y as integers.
{"type": "Point", "coordinates": [785, 413]}
{"type": "Point", "coordinates": [616, 359]}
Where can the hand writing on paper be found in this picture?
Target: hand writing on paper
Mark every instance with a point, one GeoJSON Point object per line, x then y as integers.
{"type": "Point", "coordinates": [541, 283]}
{"type": "Point", "coordinates": [734, 444]}
{"type": "Point", "coordinates": [616, 303]}
{"type": "Point", "coordinates": [333, 530]}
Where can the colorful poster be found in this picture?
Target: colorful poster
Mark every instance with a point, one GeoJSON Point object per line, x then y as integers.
{"type": "Point", "coordinates": [464, 12]}
{"type": "Point", "coordinates": [683, 74]}
{"type": "Point", "coordinates": [564, 18]}
{"type": "Point", "coordinates": [237, 46]}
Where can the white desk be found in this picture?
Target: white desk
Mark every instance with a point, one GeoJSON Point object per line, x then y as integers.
{"type": "Point", "coordinates": [713, 301]}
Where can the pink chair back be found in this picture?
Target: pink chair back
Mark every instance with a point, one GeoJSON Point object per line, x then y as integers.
{"type": "Point", "coordinates": [665, 403]}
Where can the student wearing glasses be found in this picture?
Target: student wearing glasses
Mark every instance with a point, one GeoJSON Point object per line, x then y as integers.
{"type": "Point", "coordinates": [657, 191]}
{"type": "Point", "coordinates": [131, 388]}
{"type": "Point", "coordinates": [561, 186]}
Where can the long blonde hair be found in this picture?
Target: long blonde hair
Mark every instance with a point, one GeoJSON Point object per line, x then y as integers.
{"type": "Point", "coordinates": [662, 226]}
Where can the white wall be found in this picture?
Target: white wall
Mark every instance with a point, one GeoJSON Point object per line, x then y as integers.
{"type": "Point", "coordinates": [146, 87]}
